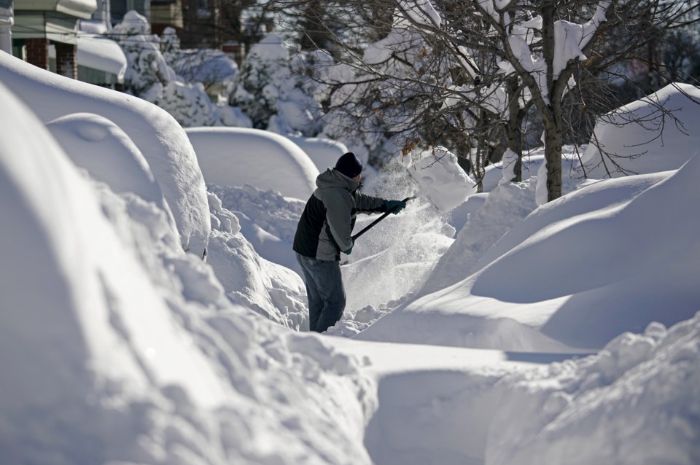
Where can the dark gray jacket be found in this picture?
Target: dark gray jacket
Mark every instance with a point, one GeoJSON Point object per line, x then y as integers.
{"type": "Point", "coordinates": [325, 227]}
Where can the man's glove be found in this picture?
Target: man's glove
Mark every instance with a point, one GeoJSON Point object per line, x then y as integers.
{"type": "Point", "coordinates": [394, 206]}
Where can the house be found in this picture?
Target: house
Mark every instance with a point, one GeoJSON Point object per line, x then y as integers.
{"type": "Point", "coordinates": [118, 8]}
{"type": "Point", "coordinates": [64, 36]}
{"type": "Point", "coordinates": [166, 13]}
{"type": "Point", "coordinates": [6, 21]}
{"type": "Point", "coordinates": [39, 24]}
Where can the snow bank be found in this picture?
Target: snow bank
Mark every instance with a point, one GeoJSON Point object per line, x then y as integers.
{"type": "Point", "coordinates": [440, 178]}
{"type": "Point", "coordinates": [636, 402]}
{"type": "Point", "coordinates": [267, 220]}
{"type": "Point", "coordinates": [275, 292]}
{"type": "Point", "coordinates": [656, 133]}
{"type": "Point", "coordinates": [71, 298]}
{"type": "Point", "coordinates": [106, 152]}
{"type": "Point", "coordinates": [240, 156]}
{"type": "Point", "coordinates": [323, 152]}
{"type": "Point", "coordinates": [506, 206]}
{"type": "Point", "coordinates": [157, 135]}
{"type": "Point", "coordinates": [644, 256]}
{"type": "Point", "coordinates": [120, 348]}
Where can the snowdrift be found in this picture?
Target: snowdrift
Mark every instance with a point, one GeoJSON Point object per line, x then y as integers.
{"type": "Point", "coordinates": [272, 290]}
{"type": "Point", "coordinates": [641, 138]}
{"type": "Point", "coordinates": [635, 402]}
{"type": "Point", "coordinates": [118, 347]}
{"type": "Point", "coordinates": [540, 274]}
{"type": "Point", "coordinates": [158, 136]}
{"type": "Point", "coordinates": [267, 220]}
{"type": "Point", "coordinates": [240, 156]}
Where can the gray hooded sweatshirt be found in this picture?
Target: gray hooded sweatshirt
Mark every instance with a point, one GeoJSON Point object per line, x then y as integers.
{"type": "Point", "coordinates": [325, 226]}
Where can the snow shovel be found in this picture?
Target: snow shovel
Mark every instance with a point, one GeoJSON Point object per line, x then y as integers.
{"type": "Point", "coordinates": [374, 223]}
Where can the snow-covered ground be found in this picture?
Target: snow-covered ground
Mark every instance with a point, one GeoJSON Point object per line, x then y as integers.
{"type": "Point", "coordinates": [496, 332]}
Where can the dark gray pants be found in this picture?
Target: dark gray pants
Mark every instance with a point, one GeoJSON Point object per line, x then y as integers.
{"type": "Point", "coordinates": [324, 287]}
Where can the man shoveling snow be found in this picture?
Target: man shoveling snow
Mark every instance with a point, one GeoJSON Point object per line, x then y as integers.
{"type": "Point", "coordinates": [325, 230]}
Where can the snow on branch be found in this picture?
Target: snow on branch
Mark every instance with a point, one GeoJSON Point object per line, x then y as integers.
{"type": "Point", "coordinates": [571, 38]}
{"type": "Point", "coordinates": [418, 12]}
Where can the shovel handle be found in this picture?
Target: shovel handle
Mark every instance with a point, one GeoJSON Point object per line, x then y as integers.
{"type": "Point", "coordinates": [374, 223]}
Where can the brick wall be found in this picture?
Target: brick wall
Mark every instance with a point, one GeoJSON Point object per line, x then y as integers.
{"type": "Point", "coordinates": [66, 63]}
{"type": "Point", "coordinates": [38, 52]}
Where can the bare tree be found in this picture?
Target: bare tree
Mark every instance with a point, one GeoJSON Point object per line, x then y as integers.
{"type": "Point", "coordinates": [491, 60]}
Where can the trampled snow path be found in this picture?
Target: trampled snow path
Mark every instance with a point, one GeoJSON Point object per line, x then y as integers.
{"type": "Point", "coordinates": [436, 404]}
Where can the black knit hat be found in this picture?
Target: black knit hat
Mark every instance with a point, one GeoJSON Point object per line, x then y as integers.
{"type": "Point", "coordinates": [349, 165]}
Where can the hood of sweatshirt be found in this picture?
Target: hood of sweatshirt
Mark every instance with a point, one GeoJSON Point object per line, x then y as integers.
{"type": "Point", "coordinates": [334, 179]}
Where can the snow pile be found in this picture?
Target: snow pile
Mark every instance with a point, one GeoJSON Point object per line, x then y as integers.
{"type": "Point", "coordinates": [439, 177]}
{"type": "Point", "coordinates": [644, 265]}
{"type": "Point", "coordinates": [636, 402]}
{"type": "Point", "coordinates": [120, 348]}
{"type": "Point", "coordinates": [655, 133]}
{"type": "Point", "coordinates": [272, 290]}
{"type": "Point", "coordinates": [156, 134]}
{"type": "Point", "coordinates": [505, 207]}
{"type": "Point", "coordinates": [267, 220]}
{"type": "Point", "coordinates": [239, 156]}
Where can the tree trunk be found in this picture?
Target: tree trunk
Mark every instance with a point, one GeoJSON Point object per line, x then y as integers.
{"type": "Point", "coordinates": [514, 126]}
{"type": "Point", "coordinates": [552, 154]}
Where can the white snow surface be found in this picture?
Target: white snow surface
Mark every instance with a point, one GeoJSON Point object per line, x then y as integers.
{"type": "Point", "coordinates": [242, 156]}
{"type": "Point", "coordinates": [656, 133]}
{"type": "Point", "coordinates": [439, 177]}
{"type": "Point", "coordinates": [160, 139]}
{"type": "Point", "coordinates": [101, 54]}
{"type": "Point", "coordinates": [605, 227]}
{"type": "Point", "coordinates": [117, 347]}
{"type": "Point", "coordinates": [636, 402]}
{"type": "Point", "coordinates": [323, 152]}
{"type": "Point", "coordinates": [99, 146]}
{"type": "Point", "coordinates": [121, 348]}
{"type": "Point", "coordinates": [267, 220]}
{"type": "Point", "coordinates": [272, 290]}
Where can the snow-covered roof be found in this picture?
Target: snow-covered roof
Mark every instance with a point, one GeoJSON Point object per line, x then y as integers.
{"type": "Point", "coordinates": [101, 54]}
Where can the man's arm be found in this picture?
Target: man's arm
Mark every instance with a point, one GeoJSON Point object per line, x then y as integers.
{"type": "Point", "coordinates": [368, 204]}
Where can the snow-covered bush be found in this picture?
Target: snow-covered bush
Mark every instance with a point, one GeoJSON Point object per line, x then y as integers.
{"type": "Point", "coordinates": [214, 69]}
{"type": "Point", "coordinates": [273, 91]}
{"type": "Point", "coordinates": [151, 76]}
